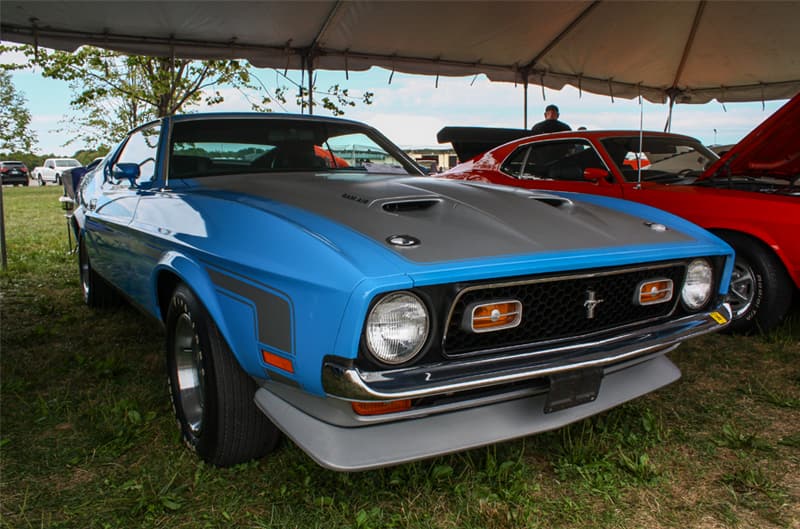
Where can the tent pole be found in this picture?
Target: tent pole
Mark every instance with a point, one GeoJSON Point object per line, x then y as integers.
{"type": "Point", "coordinates": [4, 257]}
{"type": "Point", "coordinates": [525, 99]}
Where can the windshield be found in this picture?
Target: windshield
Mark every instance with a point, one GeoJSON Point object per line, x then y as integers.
{"type": "Point", "coordinates": [661, 158]}
{"type": "Point", "coordinates": [211, 147]}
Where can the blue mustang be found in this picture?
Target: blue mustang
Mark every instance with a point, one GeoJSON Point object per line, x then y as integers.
{"type": "Point", "coordinates": [312, 281]}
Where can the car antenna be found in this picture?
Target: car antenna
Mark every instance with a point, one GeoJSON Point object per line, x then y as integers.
{"type": "Point", "coordinates": [639, 151]}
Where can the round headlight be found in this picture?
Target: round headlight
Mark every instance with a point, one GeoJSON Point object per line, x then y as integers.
{"type": "Point", "coordinates": [397, 327]}
{"type": "Point", "coordinates": [697, 287]}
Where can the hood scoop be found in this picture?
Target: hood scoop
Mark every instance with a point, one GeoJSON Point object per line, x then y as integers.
{"type": "Point", "coordinates": [410, 205]}
{"type": "Point", "coordinates": [556, 202]}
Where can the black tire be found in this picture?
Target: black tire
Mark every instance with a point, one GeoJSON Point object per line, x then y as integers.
{"type": "Point", "coordinates": [97, 293]}
{"type": "Point", "coordinates": [41, 181]}
{"type": "Point", "coordinates": [761, 290]}
{"type": "Point", "coordinates": [211, 395]}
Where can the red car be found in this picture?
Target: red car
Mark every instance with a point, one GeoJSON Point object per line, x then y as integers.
{"type": "Point", "coordinates": [750, 197]}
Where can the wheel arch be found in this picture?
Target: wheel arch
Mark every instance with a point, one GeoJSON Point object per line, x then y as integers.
{"type": "Point", "coordinates": [174, 268]}
{"type": "Point", "coordinates": [763, 241]}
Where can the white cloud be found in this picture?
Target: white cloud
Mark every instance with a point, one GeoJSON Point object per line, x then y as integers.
{"type": "Point", "coordinates": [411, 110]}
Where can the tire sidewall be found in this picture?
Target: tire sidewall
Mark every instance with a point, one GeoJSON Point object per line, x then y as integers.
{"type": "Point", "coordinates": [771, 286]}
{"type": "Point", "coordinates": [84, 275]}
{"type": "Point", "coordinates": [182, 303]}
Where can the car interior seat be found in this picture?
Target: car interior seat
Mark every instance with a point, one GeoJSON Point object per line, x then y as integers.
{"type": "Point", "coordinates": [297, 155]}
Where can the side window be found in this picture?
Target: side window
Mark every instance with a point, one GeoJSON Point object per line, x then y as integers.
{"type": "Point", "coordinates": [142, 149]}
{"type": "Point", "coordinates": [512, 165]}
{"type": "Point", "coordinates": [561, 160]}
{"type": "Point", "coordinates": [50, 164]}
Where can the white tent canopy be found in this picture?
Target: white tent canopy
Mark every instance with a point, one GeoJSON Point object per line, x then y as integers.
{"type": "Point", "coordinates": [690, 51]}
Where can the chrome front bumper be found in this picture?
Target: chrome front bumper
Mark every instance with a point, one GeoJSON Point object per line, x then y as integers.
{"type": "Point", "coordinates": [351, 383]}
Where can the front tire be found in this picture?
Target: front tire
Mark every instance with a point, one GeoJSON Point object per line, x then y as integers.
{"type": "Point", "coordinates": [211, 395]}
{"type": "Point", "coordinates": [761, 291]}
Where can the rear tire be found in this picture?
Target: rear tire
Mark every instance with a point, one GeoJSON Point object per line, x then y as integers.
{"type": "Point", "coordinates": [211, 395]}
{"type": "Point", "coordinates": [97, 293]}
{"type": "Point", "coordinates": [761, 291]}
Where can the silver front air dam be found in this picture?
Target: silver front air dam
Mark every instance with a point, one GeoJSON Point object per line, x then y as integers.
{"type": "Point", "coordinates": [630, 372]}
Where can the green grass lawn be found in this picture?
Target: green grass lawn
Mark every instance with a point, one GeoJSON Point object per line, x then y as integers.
{"type": "Point", "coordinates": [87, 436]}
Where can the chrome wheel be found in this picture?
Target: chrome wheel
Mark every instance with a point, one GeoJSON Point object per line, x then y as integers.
{"type": "Point", "coordinates": [743, 287]}
{"type": "Point", "coordinates": [189, 373]}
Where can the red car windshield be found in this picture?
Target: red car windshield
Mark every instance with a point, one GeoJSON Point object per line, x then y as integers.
{"type": "Point", "coordinates": [660, 157]}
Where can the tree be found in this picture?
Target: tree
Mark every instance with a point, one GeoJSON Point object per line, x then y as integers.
{"type": "Point", "coordinates": [15, 119]}
{"type": "Point", "coordinates": [114, 93]}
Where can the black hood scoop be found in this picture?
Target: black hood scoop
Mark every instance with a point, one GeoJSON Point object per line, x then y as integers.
{"type": "Point", "coordinates": [556, 202]}
{"type": "Point", "coordinates": [410, 205]}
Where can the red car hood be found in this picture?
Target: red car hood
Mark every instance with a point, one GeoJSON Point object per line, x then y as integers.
{"type": "Point", "coordinates": [772, 149]}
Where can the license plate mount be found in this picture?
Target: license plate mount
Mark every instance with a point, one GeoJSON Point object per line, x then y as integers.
{"type": "Point", "coordinates": [573, 388]}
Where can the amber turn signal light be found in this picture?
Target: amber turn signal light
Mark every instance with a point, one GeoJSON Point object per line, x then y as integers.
{"type": "Point", "coordinates": [654, 291]}
{"type": "Point", "coordinates": [380, 408]}
{"type": "Point", "coordinates": [495, 316]}
{"type": "Point", "coordinates": [277, 361]}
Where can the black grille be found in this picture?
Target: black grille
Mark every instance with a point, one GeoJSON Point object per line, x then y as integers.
{"type": "Point", "coordinates": [554, 309]}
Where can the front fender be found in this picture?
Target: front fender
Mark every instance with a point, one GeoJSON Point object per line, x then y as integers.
{"type": "Point", "coordinates": [237, 316]}
{"type": "Point", "coordinates": [196, 277]}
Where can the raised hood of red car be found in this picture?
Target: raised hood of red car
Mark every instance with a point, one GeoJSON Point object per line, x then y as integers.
{"type": "Point", "coordinates": [771, 149]}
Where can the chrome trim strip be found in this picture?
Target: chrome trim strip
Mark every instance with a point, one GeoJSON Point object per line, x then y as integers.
{"type": "Point", "coordinates": [448, 377]}
{"type": "Point", "coordinates": [638, 295]}
{"type": "Point", "coordinates": [469, 314]}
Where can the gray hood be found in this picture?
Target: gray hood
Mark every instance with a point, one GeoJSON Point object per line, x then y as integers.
{"type": "Point", "coordinates": [449, 220]}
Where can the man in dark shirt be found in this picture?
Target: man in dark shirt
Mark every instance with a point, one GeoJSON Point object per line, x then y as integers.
{"type": "Point", "coordinates": [550, 123]}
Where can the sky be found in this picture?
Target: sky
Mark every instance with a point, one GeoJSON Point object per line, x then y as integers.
{"type": "Point", "coordinates": [411, 109]}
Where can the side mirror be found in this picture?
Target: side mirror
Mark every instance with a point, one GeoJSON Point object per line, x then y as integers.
{"type": "Point", "coordinates": [595, 175]}
{"type": "Point", "coordinates": [125, 171]}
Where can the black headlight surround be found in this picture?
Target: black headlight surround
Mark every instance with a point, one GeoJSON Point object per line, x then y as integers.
{"type": "Point", "coordinates": [367, 361]}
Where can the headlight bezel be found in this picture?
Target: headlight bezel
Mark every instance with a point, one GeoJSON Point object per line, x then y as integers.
{"type": "Point", "coordinates": [420, 346]}
{"type": "Point", "coordinates": [708, 267]}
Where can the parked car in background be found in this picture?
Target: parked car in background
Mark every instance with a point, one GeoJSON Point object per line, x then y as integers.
{"type": "Point", "coordinates": [52, 170]}
{"type": "Point", "coordinates": [750, 197]}
{"type": "Point", "coordinates": [311, 281]}
{"type": "Point", "coordinates": [13, 173]}
{"type": "Point", "coordinates": [71, 177]}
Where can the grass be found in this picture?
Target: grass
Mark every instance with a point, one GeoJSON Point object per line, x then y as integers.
{"type": "Point", "coordinates": [87, 437]}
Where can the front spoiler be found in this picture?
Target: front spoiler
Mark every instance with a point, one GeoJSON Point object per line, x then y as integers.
{"type": "Point", "coordinates": [367, 447]}
{"type": "Point", "coordinates": [350, 383]}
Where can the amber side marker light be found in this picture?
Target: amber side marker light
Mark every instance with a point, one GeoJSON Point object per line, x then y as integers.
{"type": "Point", "coordinates": [495, 316]}
{"type": "Point", "coordinates": [380, 408]}
{"type": "Point", "coordinates": [654, 291]}
{"type": "Point", "coordinates": [277, 361]}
